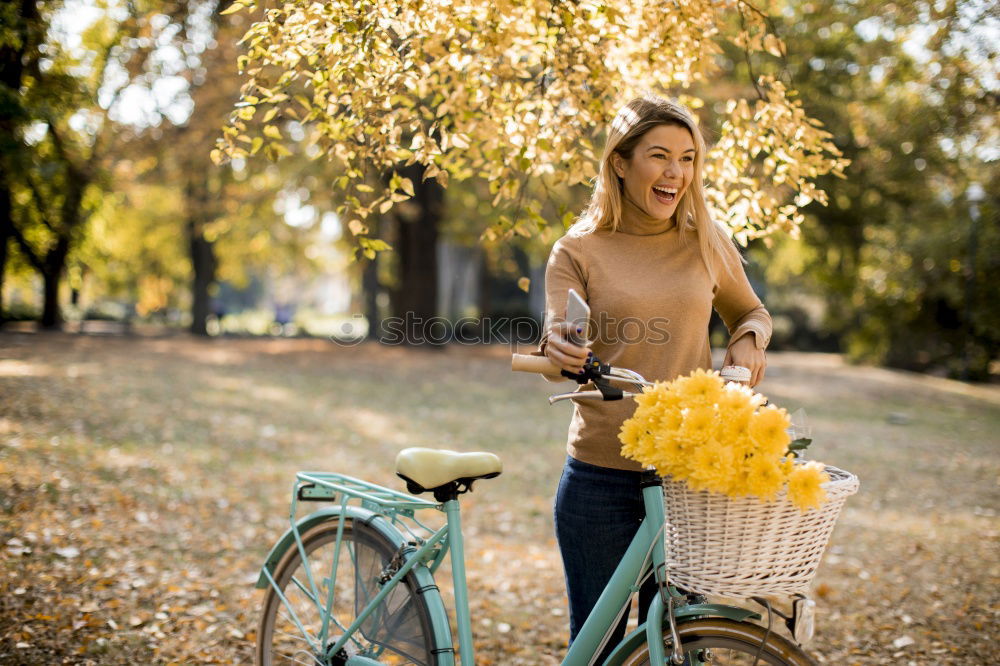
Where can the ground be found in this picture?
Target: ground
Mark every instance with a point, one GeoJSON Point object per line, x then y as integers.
{"type": "Point", "coordinates": [143, 479]}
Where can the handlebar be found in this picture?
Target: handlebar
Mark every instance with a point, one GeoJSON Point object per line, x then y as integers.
{"type": "Point", "coordinates": [540, 364]}
{"type": "Point", "coordinates": [601, 375]}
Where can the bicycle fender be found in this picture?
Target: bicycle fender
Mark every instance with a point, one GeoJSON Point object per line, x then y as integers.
{"type": "Point", "coordinates": [287, 540]}
{"type": "Point", "coordinates": [694, 611]}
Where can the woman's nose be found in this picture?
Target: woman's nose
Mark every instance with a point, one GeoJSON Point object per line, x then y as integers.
{"type": "Point", "coordinates": [672, 168]}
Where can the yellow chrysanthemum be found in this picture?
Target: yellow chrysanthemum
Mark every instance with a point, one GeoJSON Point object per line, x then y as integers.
{"type": "Point", "coordinates": [739, 395]}
{"type": "Point", "coordinates": [763, 477]}
{"type": "Point", "coordinates": [742, 445]}
{"type": "Point", "coordinates": [805, 488]}
{"type": "Point", "coordinates": [670, 420]}
{"type": "Point", "coordinates": [671, 400]}
{"type": "Point", "coordinates": [702, 388]}
{"type": "Point", "coordinates": [735, 422]}
{"type": "Point", "coordinates": [698, 424]}
{"type": "Point", "coordinates": [649, 397]}
{"type": "Point", "coordinates": [629, 435]}
{"type": "Point", "coordinates": [787, 465]}
{"type": "Point", "coordinates": [668, 454]}
{"type": "Point", "coordinates": [644, 417]}
{"type": "Point", "coordinates": [714, 467]}
{"type": "Point", "coordinates": [768, 428]}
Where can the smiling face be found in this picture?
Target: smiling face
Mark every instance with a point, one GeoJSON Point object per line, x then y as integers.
{"type": "Point", "coordinates": [659, 170]}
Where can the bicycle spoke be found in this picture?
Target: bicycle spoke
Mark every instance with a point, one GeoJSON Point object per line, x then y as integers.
{"type": "Point", "coordinates": [397, 630]}
{"type": "Point", "coordinates": [295, 650]}
{"type": "Point", "coordinates": [303, 589]}
{"type": "Point", "coordinates": [307, 638]}
{"type": "Point", "coordinates": [312, 640]}
{"type": "Point", "coordinates": [291, 635]}
{"type": "Point", "coordinates": [313, 661]}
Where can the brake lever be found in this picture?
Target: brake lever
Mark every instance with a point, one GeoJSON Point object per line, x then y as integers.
{"type": "Point", "coordinates": [595, 371]}
{"type": "Point", "coordinates": [584, 395]}
{"type": "Point", "coordinates": [592, 371]}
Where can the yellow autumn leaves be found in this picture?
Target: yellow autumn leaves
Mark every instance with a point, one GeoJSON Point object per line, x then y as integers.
{"type": "Point", "coordinates": [721, 438]}
{"type": "Point", "coordinates": [516, 93]}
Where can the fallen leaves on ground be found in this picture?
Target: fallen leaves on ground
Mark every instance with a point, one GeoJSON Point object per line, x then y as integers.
{"type": "Point", "coordinates": [142, 481]}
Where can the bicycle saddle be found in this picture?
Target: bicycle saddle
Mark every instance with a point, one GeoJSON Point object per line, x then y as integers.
{"type": "Point", "coordinates": [445, 471]}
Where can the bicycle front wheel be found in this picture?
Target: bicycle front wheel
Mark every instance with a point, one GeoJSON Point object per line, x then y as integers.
{"type": "Point", "coordinates": [723, 642]}
{"type": "Point", "coordinates": [398, 632]}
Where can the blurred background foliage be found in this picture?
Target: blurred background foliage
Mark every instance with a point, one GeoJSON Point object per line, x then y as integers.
{"type": "Point", "coordinates": [111, 208]}
{"type": "Point", "coordinates": [905, 257]}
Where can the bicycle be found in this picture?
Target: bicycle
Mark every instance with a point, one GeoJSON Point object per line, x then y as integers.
{"type": "Point", "coordinates": [353, 584]}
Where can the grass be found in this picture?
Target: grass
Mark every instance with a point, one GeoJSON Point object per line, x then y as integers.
{"type": "Point", "coordinates": [142, 481]}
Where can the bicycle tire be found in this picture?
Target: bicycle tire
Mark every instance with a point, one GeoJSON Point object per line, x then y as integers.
{"type": "Point", "coordinates": [399, 632]}
{"type": "Point", "coordinates": [731, 644]}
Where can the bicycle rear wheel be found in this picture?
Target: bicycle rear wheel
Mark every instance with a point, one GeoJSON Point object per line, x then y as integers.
{"type": "Point", "coordinates": [723, 642]}
{"type": "Point", "coordinates": [398, 632]}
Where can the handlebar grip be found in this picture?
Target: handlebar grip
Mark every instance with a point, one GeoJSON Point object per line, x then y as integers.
{"type": "Point", "coordinates": [539, 364]}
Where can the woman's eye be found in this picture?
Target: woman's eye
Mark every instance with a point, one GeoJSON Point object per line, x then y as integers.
{"type": "Point", "coordinates": [687, 158]}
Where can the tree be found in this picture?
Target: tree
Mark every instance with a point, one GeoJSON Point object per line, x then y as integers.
{"type": "Point", "coordinates": [898, 259]}
{"type": "Point", "coordinates": [511, 91]}
{"type": "Point", "coordinates": [230, 220]}
{"type": "Point", "coordinates": [70, 97]}
{"type": "Point", "coordinates": [98, 137]}
{"type": "Point", "coordinates": [202, 185]}
{"type": "Point", "coordinates": [19, 41]}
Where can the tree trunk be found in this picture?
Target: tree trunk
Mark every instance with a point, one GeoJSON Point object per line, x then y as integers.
{"type": "Point", "coordinates": [55, 268]}
{"type": "Point", "coordinates": [485, 286]}
{"type": "Point", "coordinates": [6, 232]}
{"type": "Point", "coordinates": [203, 265]}
{"type": "Point", "coordinates": [369, 291]}
{"type": "Point", "coordinates": [416, 245]}
{"type": "Point", "coordinates": [51, 315]}
{"type": "Point", "coordinates": [24, 35]}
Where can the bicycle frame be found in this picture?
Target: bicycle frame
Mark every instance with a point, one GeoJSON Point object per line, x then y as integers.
{"type": "Point", "coordinates": [390, 513]}
{"type": "Point", "coordinates": [646, 551]}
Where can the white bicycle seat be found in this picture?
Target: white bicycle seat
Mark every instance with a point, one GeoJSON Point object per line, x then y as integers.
{"type": "Point", "coordinates": [432, 468]}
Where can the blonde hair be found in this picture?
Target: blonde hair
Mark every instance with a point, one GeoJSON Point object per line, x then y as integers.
{"type": "Point", "coordinates": [604, 211]}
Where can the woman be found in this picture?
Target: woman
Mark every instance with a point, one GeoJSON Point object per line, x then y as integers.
{"type": "Point", "coordinates": [651, 264]}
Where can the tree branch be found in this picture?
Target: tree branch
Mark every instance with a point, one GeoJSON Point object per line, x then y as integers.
{"type": "Point", "coordinates": [771, 29]}
{"type": "Point", "coordinates": [26, 248]}
{"type": "Point", "coordinates": [60, 146]}
{"type": "Point", "coordinates": [97, 149]}
{"type": "Point", "coordinates": [39, 201]}
{"type": "Point", "coordinates": [749, 60]}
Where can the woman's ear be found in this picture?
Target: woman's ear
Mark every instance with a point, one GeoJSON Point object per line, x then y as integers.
{"type": "Point", "coordinates": [618, 164]}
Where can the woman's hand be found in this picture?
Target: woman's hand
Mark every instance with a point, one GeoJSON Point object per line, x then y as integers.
{"type": "Point", "coordinates": [562, 352]}
{"type": "Point", "coordinates": [744, 352]}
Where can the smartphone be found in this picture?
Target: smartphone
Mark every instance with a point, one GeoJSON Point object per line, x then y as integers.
{"type": "Point", "coordinates": [578, 313]}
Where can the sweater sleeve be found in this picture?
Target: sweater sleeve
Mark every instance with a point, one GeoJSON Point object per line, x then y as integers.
{"type": "Point", "coordinates": [564, 271]}
{"type": "Point", "coordinates": [738, 305]}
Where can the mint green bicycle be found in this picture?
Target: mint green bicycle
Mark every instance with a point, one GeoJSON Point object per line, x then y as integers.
{"type": "Point", "coordinates": [352, 584]}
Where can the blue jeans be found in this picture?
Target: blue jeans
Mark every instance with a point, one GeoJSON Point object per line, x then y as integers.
{"type": "Point", "coordinates": [597, 512]}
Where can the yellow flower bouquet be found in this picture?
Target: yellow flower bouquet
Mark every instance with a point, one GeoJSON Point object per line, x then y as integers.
{"type": "Point", "coordinates": [702, 434]}
{"type": "Point", "coordinates": [719, 437]}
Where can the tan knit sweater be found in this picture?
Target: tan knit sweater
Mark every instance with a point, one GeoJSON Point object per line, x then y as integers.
{"type": "Point", "coordinates": [651, 298]}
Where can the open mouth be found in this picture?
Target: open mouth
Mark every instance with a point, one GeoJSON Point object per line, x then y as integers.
{"type": "Point", "coordinates": [665, 195]}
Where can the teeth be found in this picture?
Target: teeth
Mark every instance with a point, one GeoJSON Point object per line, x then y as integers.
{"type": "Point", "coordinates": [668, 190]}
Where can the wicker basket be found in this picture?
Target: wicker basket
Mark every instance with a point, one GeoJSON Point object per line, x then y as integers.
{"type": "Point", "coordinates": [741, 547]}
